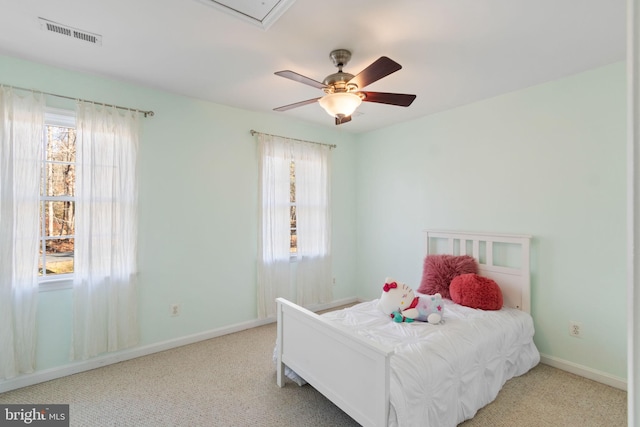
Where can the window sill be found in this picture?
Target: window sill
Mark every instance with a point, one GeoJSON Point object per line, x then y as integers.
{"type": "Point", "coordinates": [56, 285]}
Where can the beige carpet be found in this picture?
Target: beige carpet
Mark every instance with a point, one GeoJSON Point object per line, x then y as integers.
{"type": "Point", "coordinates": [230, 381]}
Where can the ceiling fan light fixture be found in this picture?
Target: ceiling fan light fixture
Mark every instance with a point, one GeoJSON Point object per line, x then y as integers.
{"type": "Point", "coordinates": [340, 104]}
{"type": "Point", "coordinates": [342, 90]}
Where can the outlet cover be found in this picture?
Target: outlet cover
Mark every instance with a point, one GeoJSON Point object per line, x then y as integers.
{"type": "Point", "coordinates": [174, 310]}
{"type": "Point", "coordinates": [575, 329]}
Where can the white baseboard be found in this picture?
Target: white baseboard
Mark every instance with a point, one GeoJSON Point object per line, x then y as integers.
{"type": "Point", "coordinates": [108, 359]}
{"type": "Point", "coordinates": [111, 358]}
{"type": "Point", "coordinates": [583, 371]}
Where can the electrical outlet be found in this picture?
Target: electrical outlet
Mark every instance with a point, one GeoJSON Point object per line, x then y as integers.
{"type": "Point", "coordinates": [575, 329]}
{"type": "Point", "coordinates": [174, 310]}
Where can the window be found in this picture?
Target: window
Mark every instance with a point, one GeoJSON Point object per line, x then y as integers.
{"type": "Point", "coordinates": [57, 197]}
{"type": "Point", "coordinates": [294, 222]}
{"type": "Point", "coordinates": [293, 232]}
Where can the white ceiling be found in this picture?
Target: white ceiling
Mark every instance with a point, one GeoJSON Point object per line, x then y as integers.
{"type": "Point", "coordinates": [453, 52]}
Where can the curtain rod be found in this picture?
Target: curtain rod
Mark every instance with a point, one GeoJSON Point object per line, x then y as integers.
{"type": "Point", "coordinates": [146, 113]}
{"type": "Point", "coordinates": [253, 132]}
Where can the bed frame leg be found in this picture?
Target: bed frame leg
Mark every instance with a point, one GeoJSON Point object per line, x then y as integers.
{"type": "Point", "coordinates": [280, 374]}
{"type": "Point", "coordinates": [280, 365]}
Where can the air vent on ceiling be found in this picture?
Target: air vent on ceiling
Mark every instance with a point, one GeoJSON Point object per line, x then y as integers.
{"type": "Point", "coordinates": [68, 31]}
{"type": "Point", "coordinates": [262, 13]}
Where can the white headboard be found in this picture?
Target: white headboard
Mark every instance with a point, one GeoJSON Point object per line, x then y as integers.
{"type": "Point", "coordinates": [501, 257]}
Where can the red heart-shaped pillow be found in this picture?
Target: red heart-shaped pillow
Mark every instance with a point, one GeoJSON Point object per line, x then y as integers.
{"type": "Point", "coordinates": [476, 291]}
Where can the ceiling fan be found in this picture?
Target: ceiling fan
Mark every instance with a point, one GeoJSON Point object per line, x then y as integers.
{"type": "Point", "coordinates": [343, 91]}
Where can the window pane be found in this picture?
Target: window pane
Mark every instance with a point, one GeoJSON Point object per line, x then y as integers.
{"type": "Point", "coordinates": [58, 258]}
{"type": "Point", "coordinates": [59, 219]}
{"type": "Point", "coordinates": [293, 239]}
{"type": "Point", "coordinates": [61, 144]}
{"type": "Point", "coordinates": [292, 182]}
{"type": "Point", "coordinates": [293, 248]}
{"type": "Point", "coordinates": [292, 217]}
{"type": "Point", "coordinates": [60, 179]}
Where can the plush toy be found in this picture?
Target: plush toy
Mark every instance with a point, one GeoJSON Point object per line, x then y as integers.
{"type": "Point", "coordinates": [400, 302]}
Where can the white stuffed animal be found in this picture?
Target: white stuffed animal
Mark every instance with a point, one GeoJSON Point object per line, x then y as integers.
{"type": "Point", "coordinates": [400, 302]}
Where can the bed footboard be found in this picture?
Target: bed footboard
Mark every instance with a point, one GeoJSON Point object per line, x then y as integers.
{"type": "Point", "coordinates": [351, 372]}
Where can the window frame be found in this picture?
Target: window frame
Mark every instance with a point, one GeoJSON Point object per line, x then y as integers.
{"type": "Point", "coordinates": [63, 118]}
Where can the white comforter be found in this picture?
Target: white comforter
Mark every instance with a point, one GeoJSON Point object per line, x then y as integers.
{"type": "Point", "coordinates": [442, 374]}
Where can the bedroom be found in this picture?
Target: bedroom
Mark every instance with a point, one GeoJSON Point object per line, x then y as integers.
{"type": "Point", "coordinates": [548, 160]}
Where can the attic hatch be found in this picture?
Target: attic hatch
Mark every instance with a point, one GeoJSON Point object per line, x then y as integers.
{"type": "Point", "coordinates": [262, 13]}
{"type": "Point", "coordinates": [68, 31]}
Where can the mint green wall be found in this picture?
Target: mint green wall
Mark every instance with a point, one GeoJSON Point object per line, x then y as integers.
{"type": "Point", "coordinates": [547, 161]}
{"type": "Point", "coordinates": [198, 207]}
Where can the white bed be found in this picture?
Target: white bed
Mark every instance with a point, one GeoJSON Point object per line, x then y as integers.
{"type": "Point", "coordinates": [385, 373]}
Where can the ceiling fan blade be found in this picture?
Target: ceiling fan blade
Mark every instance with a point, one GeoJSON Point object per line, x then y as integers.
{"type": "Point", "coordinates": [292, 75]}
{"type": "Point", "coordinates": [297, 104]}
{"type": "Point", "coordinates": [400, 99]}
{"type": "Point", "coordinates": [382, 67]}
{"type": "Point", "coordinates": [342, 120]}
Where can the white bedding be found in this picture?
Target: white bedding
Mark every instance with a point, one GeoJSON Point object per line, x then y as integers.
{"type": "Point", "coordinates": [442, 374]}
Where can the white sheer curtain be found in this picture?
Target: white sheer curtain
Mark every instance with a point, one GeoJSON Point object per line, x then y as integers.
{"type": "Point", "coordinates": [21, 133]}
{"type": "Point", "coordinates": [313, 203]}
{"type": "Point", "coordinates": [312, 282]}
{"type": "Point", "coordinates": [105, 282]}
{"type": "Point", "coordinates": [274, 226]}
